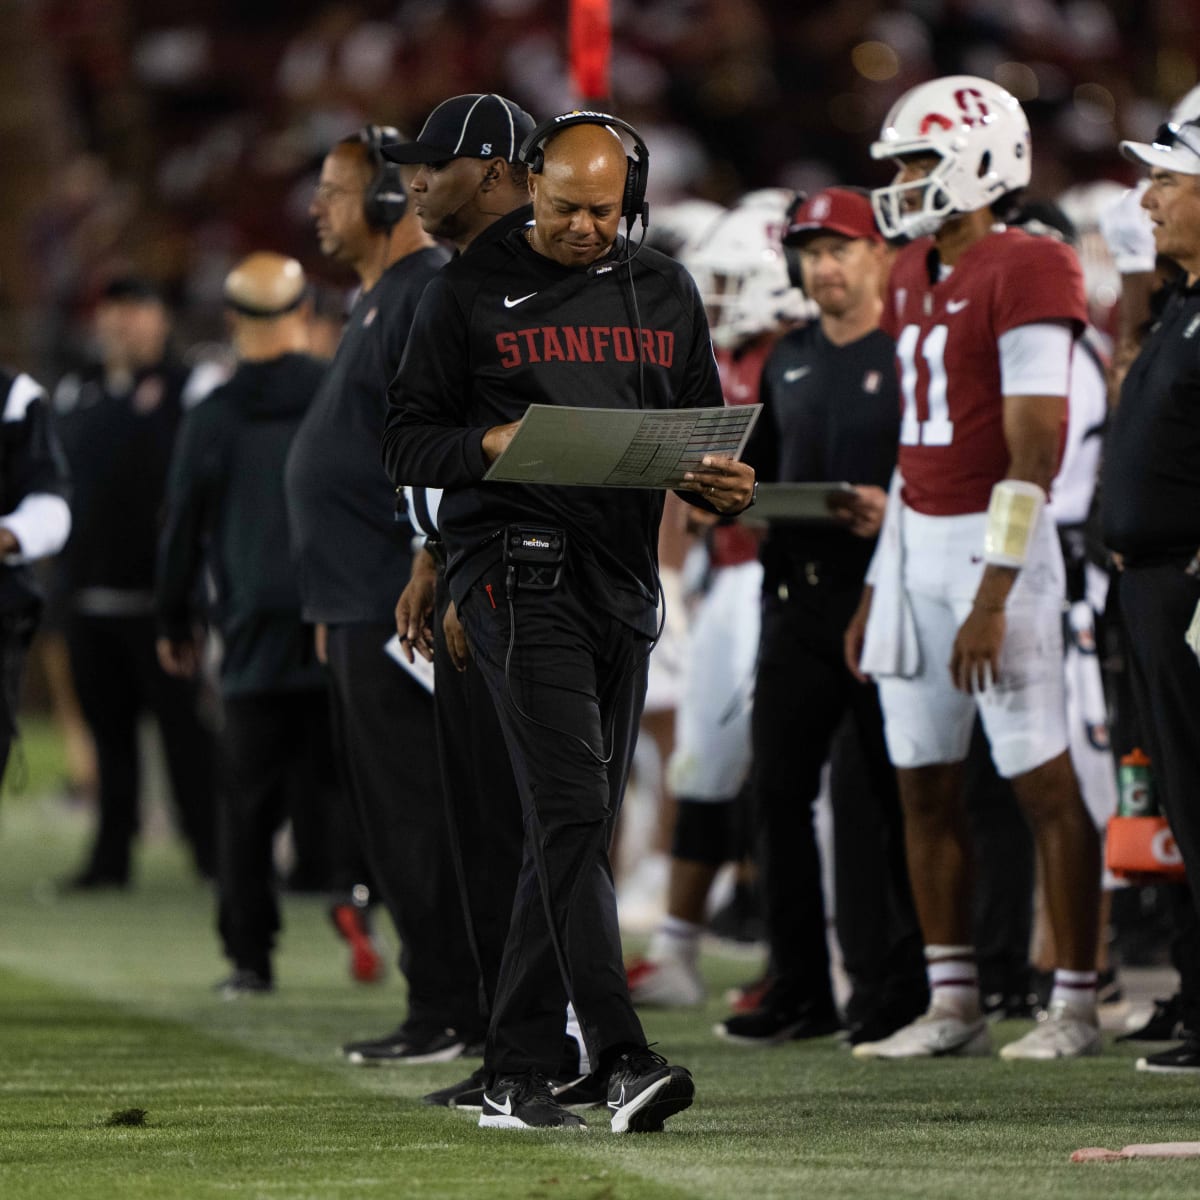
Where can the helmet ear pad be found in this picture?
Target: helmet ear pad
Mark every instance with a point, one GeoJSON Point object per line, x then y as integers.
{"type": "Point", "coordinates": [385, 200]}
{"type": "Point", "coordinates": [633, 198]}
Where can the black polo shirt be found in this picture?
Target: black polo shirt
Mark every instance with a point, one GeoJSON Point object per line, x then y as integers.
{"type": "Point", "coordinates": [830, 413]}
{"type": "Point", "coordinates": [1150, 481]}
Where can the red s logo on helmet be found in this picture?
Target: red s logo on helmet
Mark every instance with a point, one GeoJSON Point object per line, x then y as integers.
{"type": "Point", "coordinates": [975, 111]}
{"type": "Point", "coordinates": [929, 120]}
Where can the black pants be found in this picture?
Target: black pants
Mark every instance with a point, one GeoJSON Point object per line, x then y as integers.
{"type": "Point", "coordinates": [880, 938]}
{"type": "Point", "coordinates": [483, 806]}
{"type": "Point", "coordinates": [15, 635]}
{"type": "Point", "coordinates": [578, 680]}
{"type": "Point", "coordinates": [277, 755]}
{"type": "Point", "coordinates": [1157, 603]}
{"type": "Point", "coordinates": [802, 694]}
{"type": "Point", "coordinates": [386, 730]}
{"type": "Point", "coordinates": [117, 677]}
{"type": "Point", "coordinates": [1003, 873]}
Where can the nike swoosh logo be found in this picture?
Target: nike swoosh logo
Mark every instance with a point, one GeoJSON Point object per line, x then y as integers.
{"type": "Point", "coordinates": [956, 306]}
{"type": "Point", "coordinates": [509, 302]}
{"type": "Point", "coordinates": [504, 1109]}
{"type": "Point", "coordinates": [620, 1101]}
{"type": "Point", "coordinates": [795, 373]}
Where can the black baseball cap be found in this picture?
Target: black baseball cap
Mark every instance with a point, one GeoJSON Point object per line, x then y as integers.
{"type": "Point", "coordinates": [478, 125]}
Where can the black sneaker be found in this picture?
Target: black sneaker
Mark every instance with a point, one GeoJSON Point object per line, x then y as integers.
{"type": "Point", "coordinates": [775, 1023]}
{"type": "Point", "coordinates": [1165, 1023]}
{"type": "Point", "coordinates": [888, 1017]}
{"type": "Point", "coordinates": [587, 1091]}
{"type": "Point", "coordinates": [1183, 1059]}
{"type": "Point", "coordinates": [244, 982]}
{"type": "Point", "coordinates": [525, 1102]}
{"type": "Point", "coordinates": [466, 1093]}
{"type": "Point", "coordinates": [407, 1045]}
{"type": "Point", "coordinates": [1108, 988]}
{"type": "Point", "coordinates": [644, 1090]}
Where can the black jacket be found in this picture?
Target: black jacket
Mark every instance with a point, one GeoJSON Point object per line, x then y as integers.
{"type": "Point", "coordinates": [225, 508]}
{"type": "Point", "coordinates": [31, 464]}
{"type": "Point", "coordinates": [118, 447]}
{"type": "Point", "coordinates": [1150, 478]}
{"type": "Point", "coordinates": [504, 328]}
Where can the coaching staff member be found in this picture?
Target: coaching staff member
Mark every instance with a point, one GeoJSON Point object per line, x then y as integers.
{"type": "Point", "coordinates": [472, 190]}
{"type": "Point", "coordinates": [354, 560]}
{"type": "Point", "coordinates": [831, 412]}
{"type": "Point", "coordinates": [225, 508]}
{"type": "Point", "coordinates": [557, 314]}
{"type": "Point", "coordinates": [1150, 509]}
{"type": "Point", "coordinates": [35, 523]}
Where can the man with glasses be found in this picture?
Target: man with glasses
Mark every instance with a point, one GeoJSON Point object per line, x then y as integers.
{"type": "Point", "coordinates": [354, 558]}
{"type": "Point", "coordinates": [1150, 508]}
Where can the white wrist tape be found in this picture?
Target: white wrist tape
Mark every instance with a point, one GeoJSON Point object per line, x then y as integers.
{"type": "Point", "coordinates": [1011, 518]}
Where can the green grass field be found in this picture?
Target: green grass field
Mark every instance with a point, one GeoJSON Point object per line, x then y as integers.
{"type": "Point", "coordinates": [106, 1006]}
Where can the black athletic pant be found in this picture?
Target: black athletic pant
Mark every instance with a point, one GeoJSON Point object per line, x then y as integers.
{"type": "Point", "coordinates": [1003, 874]}
{"type": "Point", "coordinates": [483, 806]}
{"type": "Point", "coordinates": [16, 632]}
{"type": "Point", "coordinates": [277, 755]}
{"type": "Point", "coordinates": [117, 677]}
{"type": "Point", "coordinates": [876, 921]}
{"type": "Point", "coordinates": [578, 680]}
{"type": "Point", "coordinates": [802, 693]}
{"type": "Point", "coordinates": [387, 733]}
{"type": "Point", "coordinates": [1157, 603]}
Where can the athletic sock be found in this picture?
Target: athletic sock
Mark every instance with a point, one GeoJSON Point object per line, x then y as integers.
{"type": "Point", "coordinates": [1075, 989]}
{"type": "Point", "coordinates": [953, 980]}
{"type": "Point", "coordinates": [676, 939]}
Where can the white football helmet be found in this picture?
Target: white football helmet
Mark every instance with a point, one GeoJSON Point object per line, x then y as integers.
{"type": "Point", "coordinates": [739, 267]}
{"type": "Point", "coordinates": [979, 132]}
{"type": "Point", "coordinates": [675, 226]}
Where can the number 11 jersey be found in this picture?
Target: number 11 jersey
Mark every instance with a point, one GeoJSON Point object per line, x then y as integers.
{"type": "Point", "coordinates": [947, 332]}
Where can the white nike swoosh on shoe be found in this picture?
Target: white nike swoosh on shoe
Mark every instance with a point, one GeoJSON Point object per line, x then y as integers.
{"type": "Point", "coordinates": [504, 1109]}
{"type": "Point", "coordinates": [509, 302]}
{"type": "Point", "coordinates": [620, 1101]}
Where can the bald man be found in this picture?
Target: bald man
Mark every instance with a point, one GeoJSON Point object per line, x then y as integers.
{"type": "Point", "coordinates": [559, 313]}
{"type": "Point", "coordinates": [225, 510]}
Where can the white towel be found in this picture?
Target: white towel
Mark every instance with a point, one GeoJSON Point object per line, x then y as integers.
{"type": "Point", "coordinates": [890, 646]}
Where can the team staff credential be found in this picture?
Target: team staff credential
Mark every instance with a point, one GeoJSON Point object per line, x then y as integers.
{"type": "Point", "coordinates": [566, 667]}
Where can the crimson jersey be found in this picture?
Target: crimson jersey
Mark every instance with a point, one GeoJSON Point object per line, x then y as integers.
{"type": "Point", "coordinates": [740, 372]}
{"type": "Point", "coordinates": [952, 447]}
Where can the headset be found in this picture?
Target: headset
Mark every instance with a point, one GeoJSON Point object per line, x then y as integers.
{"type": "Point", "coordinates": [385, 200]}
{"type": "Point", "coordinates": [633, 201]}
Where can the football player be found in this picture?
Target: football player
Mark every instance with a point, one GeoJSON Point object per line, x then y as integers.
{"type": "Point", "coordinates": [962, 612]}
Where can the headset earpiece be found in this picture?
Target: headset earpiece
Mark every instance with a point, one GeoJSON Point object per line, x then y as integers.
{"type": "Point", "coordinates": [385, 200]}
{"type": "Point", "coordinates": [633, 199]}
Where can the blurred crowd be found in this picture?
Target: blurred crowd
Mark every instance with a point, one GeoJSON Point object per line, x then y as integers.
{"type": "Point", "coordinates": [185, 134]}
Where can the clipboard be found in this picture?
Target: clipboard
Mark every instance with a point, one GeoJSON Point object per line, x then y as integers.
{"type": "Point", "coordinates": [798, 503]}
{"type": "Point", "coordinates": [619, 447]}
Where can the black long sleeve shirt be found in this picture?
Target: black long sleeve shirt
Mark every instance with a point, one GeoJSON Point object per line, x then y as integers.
{"type": "Point", "coordinates": [504, 328]}
{"type": "Point", "coordinates": [1150, 478]}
